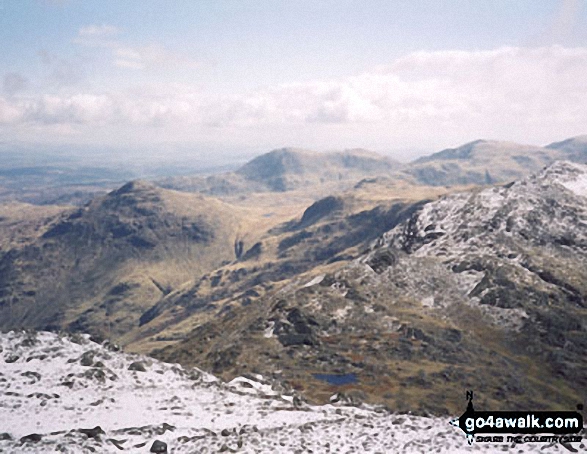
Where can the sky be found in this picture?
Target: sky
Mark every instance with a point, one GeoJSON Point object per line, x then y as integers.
{"type": "Point", "coordinates": [223, 77]}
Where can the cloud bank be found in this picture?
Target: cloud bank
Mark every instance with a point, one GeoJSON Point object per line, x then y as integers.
{"type": "Point", "coordinates": [424, 99]}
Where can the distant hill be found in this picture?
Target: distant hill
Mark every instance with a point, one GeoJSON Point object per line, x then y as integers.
{"type": "Point", "coordinates": [574, 148]}
{"type": "Point", "coordinates": [288, 169]}
{"type": "Point", "coordinates": [481, 162]}
{"type": "Point", "coordinates": [98, 267]}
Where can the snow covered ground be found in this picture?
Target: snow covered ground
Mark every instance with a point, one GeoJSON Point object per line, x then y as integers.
{"type": "Point", "coordinates": [53, 388]}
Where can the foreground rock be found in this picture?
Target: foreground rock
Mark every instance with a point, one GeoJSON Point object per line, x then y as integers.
{"type": "Point", "coordinates": [171, 409]}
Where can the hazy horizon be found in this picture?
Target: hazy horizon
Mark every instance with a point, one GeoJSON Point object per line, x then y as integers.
{"type": "Point", "coordinates": [225, 81]}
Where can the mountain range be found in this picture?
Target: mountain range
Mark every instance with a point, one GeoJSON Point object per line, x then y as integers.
{"type": "Point", "coordinates": [477, 162]}
{"type": "Point", "coordinates": [403, 283]}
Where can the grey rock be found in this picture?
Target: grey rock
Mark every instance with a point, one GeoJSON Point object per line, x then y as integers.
{"type": "Point", "coordinates": [138, 366]}
{"type": "Point", "coordinates": [11, 358]}
{"type": "Point", "coordinates": [288, 340]}
{"type": "Point", "coordinates": [92, 433]}
{"type": "Point", "coordinates": [159, 447]}
{"type": "Point", "coordinates": [117, 443]}
{"type": "Point", "coordinates": [34, 438]}
{"type": "Point", "coordinates": [87, 359]}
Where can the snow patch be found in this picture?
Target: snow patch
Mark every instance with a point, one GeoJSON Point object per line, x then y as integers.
{"type": "Point", "coordinates": [315, 281]}
{"type": "Point", "coordinates": [577, 186]}
{"type": "Point", "coordinates": [45, 389]}
{"type": "Point", "coordinates": [428, 301]}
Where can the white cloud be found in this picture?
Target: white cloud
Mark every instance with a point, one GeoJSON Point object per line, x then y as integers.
{"type": "Point", "coordinates": [505, 92]}
{"type": "Point", "coordinates": [424, 99]}
{"type": "Point", "coordinates": [98, 31]}
{"type": "Point", "coordinates": [9, 113]}
{"type": "Point", "coordinates": [124, 55]}
{"type": "Point", "coordinates": [143, 57]}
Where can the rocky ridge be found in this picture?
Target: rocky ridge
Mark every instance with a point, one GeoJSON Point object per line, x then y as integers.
{"type": "Point", "coordinates": [477, 282]}
{"type": "Point", "coordinates": [529, 236]}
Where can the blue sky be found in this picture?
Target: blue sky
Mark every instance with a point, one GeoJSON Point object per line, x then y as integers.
{"type": "Point", "coordinates": [399, 77]}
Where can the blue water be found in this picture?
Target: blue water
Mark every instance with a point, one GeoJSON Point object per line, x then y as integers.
{"type": "Point", "coordinates": [338, 380]}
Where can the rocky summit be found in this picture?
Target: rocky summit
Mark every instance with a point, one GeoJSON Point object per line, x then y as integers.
{"type": "Point", "coordinates": [69, 394]}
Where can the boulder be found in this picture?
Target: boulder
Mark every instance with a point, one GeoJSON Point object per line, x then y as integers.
{"type": "Point", "coordinates": [138, 366]}
{"type": "Point", "coordinates": [87, 359]}
{"type": "Point", "coordinates": [92, 433]}
{"type": "Point", "coordinates": [159, 447]}
{"type": "Point", "coordinates": [34, 438]}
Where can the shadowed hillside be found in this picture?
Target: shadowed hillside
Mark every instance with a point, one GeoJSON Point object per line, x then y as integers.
{"type": "Point", "coordinates": [97, 267]}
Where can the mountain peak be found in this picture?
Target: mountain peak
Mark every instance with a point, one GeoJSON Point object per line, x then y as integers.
{"type": "Point", "coordinates": [276, 163]}
{"type": "Point", "coordinates": [135, 186]}
{"type": "Point", "coordinates": [573, 149]}
{"type": "Point", "coordinates": [287, 168]}
{"type": "Point", "coordinates": [463, 152]}
{"type": "Point", "coordinates": [568, 142]}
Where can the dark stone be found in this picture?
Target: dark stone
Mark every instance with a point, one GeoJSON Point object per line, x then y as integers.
{"type": "Point", "coordinates": [34, 438]}
{"type": "Point", "coordinates": [302, 323]}
{"type": "Point", "coordinates": [95, 374]}
{"type": "Point", "coordinates": [453, 335]}
{"type": "Point", "coordinates": [225, 432]}
{"type": "Point", "coordinates": [117, 443]}
{"type": "Point", "coordinates": [139, 366]}
{"type": "Point", "coordinates": [297, 339]}
{"type": "Point", "coordinates": [353, 294]}
{"type": "Point", "coordinates": [159, 447]}
{"type": "Point", "coordinates": [327, 281]}
{"type": "Point", "coordinates": [5, 436]}
{"type": "Point", "coordinates": [164, 428]}
{"type": "Point", "coordinates": [92, 433]}
{"type": "Point", "coordinates": [381, 260]}
{"type": "Point", "coordinates": [11, 358]}
{"type": "Point", "coordinates": [198, 232]}
{"type": "Point", "coordinates": [432, 236]}
{"type": "Point", "coordinates": [39, 357]}
{"type": "Point", "coordinates": [33, 376]}
{"type": "Point", "coordinates": [87, 359]}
